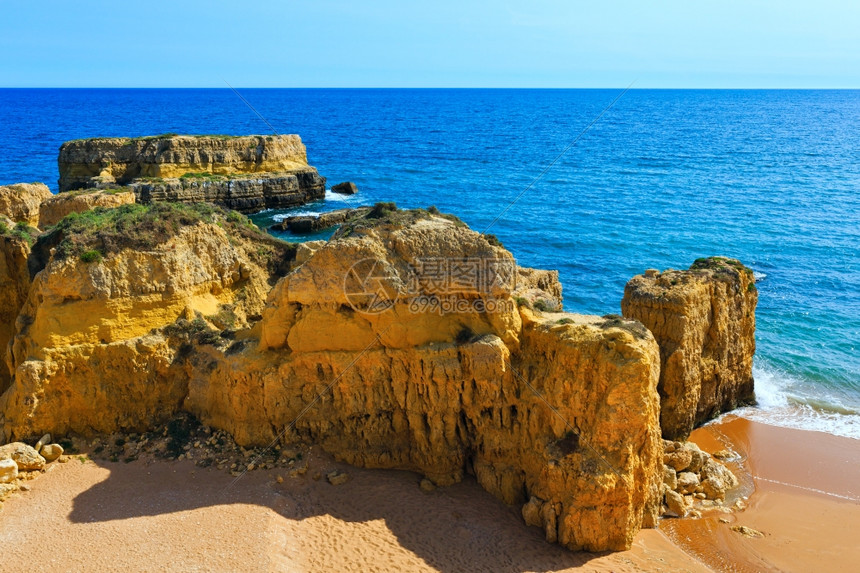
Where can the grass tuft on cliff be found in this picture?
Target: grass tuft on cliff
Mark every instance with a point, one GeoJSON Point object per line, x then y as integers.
{"type": "Point", "coordinates": [144, 227]}
{"type": "Point", "coordinates": [21, 231]}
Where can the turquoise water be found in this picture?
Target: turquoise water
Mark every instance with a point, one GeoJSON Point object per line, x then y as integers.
{"type": "Point", "coordinates": [666, 176]}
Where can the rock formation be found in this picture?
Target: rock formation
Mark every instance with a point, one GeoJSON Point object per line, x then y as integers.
{"type": "Point", "coordinates": [89, 351]}
{"type": "Point", "coordinates": [56, 207]}
{"type": "Point", "coordinates": [407, 341]}
{"type": "Point", "coordinates": [20, 202]}
{"type": "Point", "coordinates": [704, 321]}
{"type": "Point", "coordinates": [345, 188]}
{"type": "Point", "coordinates": [248, 173]}
{"type": "Point", "coordinates": [303, 224]}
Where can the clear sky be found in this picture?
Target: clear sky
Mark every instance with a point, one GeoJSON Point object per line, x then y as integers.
{"type": "Point", "coordinates": [439, 43]}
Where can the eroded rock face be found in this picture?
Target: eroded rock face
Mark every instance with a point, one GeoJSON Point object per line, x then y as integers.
{"type": "Point", "coordinates": [20, 202]}
{"type": "Point", "coordinates": [55, 207]}
{"type": "Point", "coordinates": [247, 173]}
{"type": "Point", "coordinates": [704, 321]}
{"type": "Point", "coordinates": [90, 352]}
{"type": "Point", "coordinates": [363, 348]}
{"type": "Point", "coordinates": [399, 390]}
{"type": "Point", "coordinates": [14, 286]}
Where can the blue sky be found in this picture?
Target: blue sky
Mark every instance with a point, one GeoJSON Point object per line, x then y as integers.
{"type": "Point", "coordinates": [326, 43]}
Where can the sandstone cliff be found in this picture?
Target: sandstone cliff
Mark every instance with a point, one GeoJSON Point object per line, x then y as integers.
{"type": "Point", "coordinates": [247, 173]}
{"type": "Point", "coordinates": [54, 208]}
{"type": "Point", "coordinates": [407, 341]}
{"type": "Point", "coordinates": [704, 321]}
{"type": "Point", "coordinates": [90, 353]}
{"type": "Point", "coordinates": [14, 286]}
{"type": "Point", "coordinates": [20, 202]}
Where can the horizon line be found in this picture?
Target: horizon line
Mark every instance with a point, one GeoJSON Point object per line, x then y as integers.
{"type": "Point", "coordinates": [421, 88]}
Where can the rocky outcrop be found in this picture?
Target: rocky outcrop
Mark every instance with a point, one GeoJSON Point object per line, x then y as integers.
{"type": "Point", "coordinates": [444, 394]}
{"type": "Point", "coordinates": [56, 207]}
{"type": "Point", "coordinates": [20, 202]}
{"type": "Point", "coordinates": [704, 322]}
{"type": "Point", "coordinates": [408, 341]}
{"type": "Point", "coordinates": [345, 188]}
{"type": "Point", "coordinates": [90, 351]}
{"type": "Point", "coordinates": [692, 481]}
{"type": "Point", "coordinates": [304, 224]}
{"type": "Point", "coordinates": [248, 174]}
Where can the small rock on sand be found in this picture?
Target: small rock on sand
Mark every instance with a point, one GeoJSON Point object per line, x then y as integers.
{"type": "Point", "coordinates": [427, 485]}
{"type": "Point", "coordinates": [8, 471]}
{"type": "Point", "coordinates": [51, 452]}
{"type": "Point", "coordinates": [747, 531]}
{"type": "Point", "coordinates": [337, 478]}
{"type": "Point", "coordinates": [27, 458]}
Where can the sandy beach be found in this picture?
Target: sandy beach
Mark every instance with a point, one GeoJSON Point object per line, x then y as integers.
{"type": "Point", "coordinates": [158, 515]}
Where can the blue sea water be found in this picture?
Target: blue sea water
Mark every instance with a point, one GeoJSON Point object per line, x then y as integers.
{"type": "Point", "coordinates": [666, 176]}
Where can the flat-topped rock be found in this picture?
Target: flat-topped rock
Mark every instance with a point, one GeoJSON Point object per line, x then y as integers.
{"type": "Point", "coordinates": [302, 224]}
{"type": "Point", "coordinates": [245, 173]}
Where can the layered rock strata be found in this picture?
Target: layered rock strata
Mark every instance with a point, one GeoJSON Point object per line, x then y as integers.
{"type": "Point", "coordinates": [248, 173]}
{"type": "Point", "coordinates": [704, 322]}
{"type": "Point", "coordinates": [304, 224]}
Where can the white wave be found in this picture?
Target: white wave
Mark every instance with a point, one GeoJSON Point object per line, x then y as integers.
{"type": "Point", "coordinates": [281, 216]}
{"type": "Point", "coordinates": [759, 276]}
{"type": "Point", "coordinates": [341, 198]}
{"type": "Point", "coordinates": [783, 402]}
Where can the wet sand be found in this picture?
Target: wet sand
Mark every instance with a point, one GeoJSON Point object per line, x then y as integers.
{"type": "Point", "coordinates": [174, 516]}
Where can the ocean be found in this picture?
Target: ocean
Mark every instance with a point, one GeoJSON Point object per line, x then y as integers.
{"type": "Point", "coordinates": [664, 177]}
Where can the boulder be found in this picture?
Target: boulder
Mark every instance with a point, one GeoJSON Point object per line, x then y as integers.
{"type": "Point", "coordinates": [704, 322]}
{"type": "Point", "coordinates": [8, 470]}
{"type": "Point", "coordinates": [687, 482]}
{"type": "Point", "coordinates": [51, 452]}
{"type": "Point", "coordinates": [21, 202]}
{"type": "Point", "coordinates": [676, 503]}
{"type": "Point", "coordinates": [345, 188]}
{"type": "Point", "coordinates": [43, 441]}
{"type": "Point", "coordinates": [670, 477]}
{"type": "Point", "coordinates": [531, 512]}
{"type": "Point", "coordinates": [24, 456]}
{"type": "Point", "coordinates": [679, 460]}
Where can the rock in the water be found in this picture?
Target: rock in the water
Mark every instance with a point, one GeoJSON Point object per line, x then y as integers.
{"type": "Point", "coordinates": [304, 224]}
{"type": "Point", "coordinates": [21, 202]}
{"type": "Point", "coordinates": [51, 452]}
{"type": "Point", "coordinates": [26, 458]}
{"type": "Point", "coordinates": [247, 173]}
{"type": "Point", "coordinates": [337, 478]}
{"type": "Point", "coordinates": [747, 531]}
{"type": "Point", "coordinates": [345, 188]}
{"type": "Point", "coordinates": [704, 321]}
{"type": "Point", "coordinates": [8, 470]}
